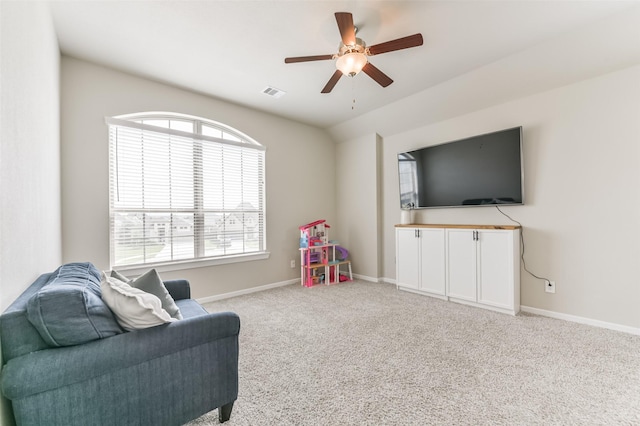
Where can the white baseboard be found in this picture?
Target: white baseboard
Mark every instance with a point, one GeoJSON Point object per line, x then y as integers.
{"type": "Point", "coordinates": [246, 291]}
{"type": "Point", "coordinates": [366, 278]}
{"type": "Point", "coordinates": [581, 320]}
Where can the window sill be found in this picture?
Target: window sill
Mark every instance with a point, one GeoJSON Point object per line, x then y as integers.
{"type": "Point", "coordinates": [191, 264]}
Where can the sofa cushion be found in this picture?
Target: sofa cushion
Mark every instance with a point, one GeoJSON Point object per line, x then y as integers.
{"type": "Point", "coordinates": [151, 282]}
{"type": "Point", "coordinates": [134, 308]}
{"type": "Point", "coordinates": [68, 309]}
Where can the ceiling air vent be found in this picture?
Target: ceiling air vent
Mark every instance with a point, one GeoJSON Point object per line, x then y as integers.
{"type": "Point", "coordinates": [273, 92]}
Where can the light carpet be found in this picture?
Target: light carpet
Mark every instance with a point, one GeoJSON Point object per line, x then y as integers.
{"type": "Point", "coordinates": [361, 353]}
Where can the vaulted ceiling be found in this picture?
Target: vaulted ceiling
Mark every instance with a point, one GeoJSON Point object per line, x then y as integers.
{"type": "Point", "coordinates": [233, 50]}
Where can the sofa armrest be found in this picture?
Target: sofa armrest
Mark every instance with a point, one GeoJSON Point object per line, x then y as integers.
{"type": "Point", "coordinates": [48, 369]}
{"type": "Point", "coordinates": [178, 289]}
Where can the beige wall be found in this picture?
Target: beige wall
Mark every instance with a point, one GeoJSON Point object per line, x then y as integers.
{"type": "Point", "coordinates": [300, 171]}
{"type": "Point", "coordinates": [359, 206]}
{"type": "Point", "coordinates": [29, 151]}
{"type": "Point", "coordinates": [582, 188]}
{"type": "Point", "coordinates": [29, 147]}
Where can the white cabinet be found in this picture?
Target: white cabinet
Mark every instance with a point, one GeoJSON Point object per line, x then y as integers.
{"type": "Point", "coordinates": [407, 258]}
{"type": "Point", "coordinates": [420, 260]}
{"type": "Point", "coordinates": [479, 266]}
{"type": "Point", "coordinates": [498, 277]}
{"type": "Point", "coordinates": [461, 266]}
{"type": "Point", "coordinates": [484, 267]}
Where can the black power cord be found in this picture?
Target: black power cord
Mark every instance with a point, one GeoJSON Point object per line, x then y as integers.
{"type": "Point", "coordinates": [524, 264]}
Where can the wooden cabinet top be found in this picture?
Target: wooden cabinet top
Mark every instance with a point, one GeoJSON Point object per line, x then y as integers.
{"type": "Point", "coordinates": [429, 225]}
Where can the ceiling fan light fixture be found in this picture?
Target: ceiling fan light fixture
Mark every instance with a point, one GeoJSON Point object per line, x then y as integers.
{"type": "Point", "coordinates": [351, 63]}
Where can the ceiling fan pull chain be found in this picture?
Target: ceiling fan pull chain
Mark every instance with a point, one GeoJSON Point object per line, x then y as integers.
{"type": "Point", "coordinates": [353, 94]}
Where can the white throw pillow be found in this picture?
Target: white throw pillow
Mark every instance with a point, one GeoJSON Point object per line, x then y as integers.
{"type": "Point", "coordinates": [151, 282]}
{"type": "Point", "coordinates": [133, 308]}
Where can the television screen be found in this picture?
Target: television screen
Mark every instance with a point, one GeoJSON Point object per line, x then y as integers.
{"type": "Point", "coordinates": [477, 171]}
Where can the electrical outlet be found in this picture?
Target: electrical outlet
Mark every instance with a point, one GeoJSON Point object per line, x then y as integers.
{"type": "Point", "coordinates": [549, 286]}
{"type": "Point", "coordinates": [293, 264]}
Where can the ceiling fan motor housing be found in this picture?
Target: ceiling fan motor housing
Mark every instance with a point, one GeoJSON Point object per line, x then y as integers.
{"type": "Point", "coordinates": [359, 47]}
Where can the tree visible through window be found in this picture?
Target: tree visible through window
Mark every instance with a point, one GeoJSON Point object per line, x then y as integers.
{"type": "Point", "coordinates": [183, 188]}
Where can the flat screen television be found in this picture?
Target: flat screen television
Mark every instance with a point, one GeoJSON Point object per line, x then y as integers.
{"type": "Point", "coordinates": [482, 170]}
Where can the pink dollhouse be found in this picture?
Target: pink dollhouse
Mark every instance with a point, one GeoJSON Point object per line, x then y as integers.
{"type": "Point", "coordinates": [321, 258]}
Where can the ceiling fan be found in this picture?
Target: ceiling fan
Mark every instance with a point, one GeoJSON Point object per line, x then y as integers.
{"type": "Point", "coordinates": [353, 52]}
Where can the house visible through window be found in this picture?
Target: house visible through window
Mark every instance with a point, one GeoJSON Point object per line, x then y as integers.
{"type": "Point", "coordinates": [183, 188]}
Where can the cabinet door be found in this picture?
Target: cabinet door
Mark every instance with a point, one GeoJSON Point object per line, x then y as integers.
{"type": "Point", "coordinates": [407, 259]}
{"type": "Point", "coordinates": [496, 268]}
{"type": "Point", "coordinates": [432, 256]}
{"type": "Point", "coordinates": [461, 264]}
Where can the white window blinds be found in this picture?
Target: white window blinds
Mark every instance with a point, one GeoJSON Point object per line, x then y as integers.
{"type": "Point", "coordinates": [177, 195]}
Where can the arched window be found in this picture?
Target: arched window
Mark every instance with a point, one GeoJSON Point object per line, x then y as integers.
{"type": "Point", "coordinates": [183, 188]}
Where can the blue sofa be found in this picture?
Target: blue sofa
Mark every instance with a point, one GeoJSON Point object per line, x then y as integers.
{"type": "Point", "coordinates": [163, 375]}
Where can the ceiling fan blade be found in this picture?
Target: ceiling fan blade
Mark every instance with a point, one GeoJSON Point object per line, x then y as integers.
{"type": "Point", "coordinates": [347, 30]}
{"type": "Point", "coordinates": [332, 82]}
{"type": "Point", "coordinates": [397, 44]}
{"type": "Point", "coordinates": [307, 58]}
{"type": "Point", "coordinates": [381, 78]}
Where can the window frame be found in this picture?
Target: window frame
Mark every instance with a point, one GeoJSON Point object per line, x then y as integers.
{"type": "Point", "coordinates": [239, 139]}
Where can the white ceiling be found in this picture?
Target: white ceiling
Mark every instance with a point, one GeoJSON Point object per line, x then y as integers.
{"type": "Point", "coordinates": [232, 50]}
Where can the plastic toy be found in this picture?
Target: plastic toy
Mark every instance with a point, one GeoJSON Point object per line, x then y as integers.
{"type": "Point", "coordinates": [321, 258]}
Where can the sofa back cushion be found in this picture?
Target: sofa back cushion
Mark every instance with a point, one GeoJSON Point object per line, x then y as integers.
{"type": "Point", "coordinates": [17, 334]}
{"type": "Point", "coordinates": [69, 309]}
